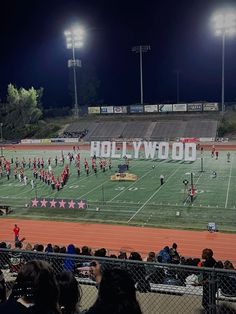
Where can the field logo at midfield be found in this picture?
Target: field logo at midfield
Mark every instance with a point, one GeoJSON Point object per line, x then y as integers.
{"type": "Point", "coordinates": [152, 150]}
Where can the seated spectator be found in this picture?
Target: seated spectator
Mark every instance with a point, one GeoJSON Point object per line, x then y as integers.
{"type": "Point", "coordinates": [69, 296]}
{"type": "Point", "coordinates": [69, 263]}
{"type": "Point", "coordinates": [228, 281]}
{"type": "Point", "coordinates": [2, 288]}
{"type": "Point", "coordinates": [165, 255]}
{"type": "Point", "coordinates": [49, 248]}
{"type": "Point", "coordinates": [85, 250]}
{"type": "Point", "coordinates": [116, 294]}
{"type": "Point", "coordinates": [122, 255]}
{"type": "Point", "coordinates": [35, 291]}
{"type": "Point", "coordinates": [151, 257]}
{"type": "Point", "coordinates": [175, 257]}
{"type": "Point", "coordinates": [138, 272]}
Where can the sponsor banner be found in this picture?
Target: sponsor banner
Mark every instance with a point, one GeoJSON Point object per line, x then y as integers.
{"type": "Point", "coordinates": [120, 109]}
{"type": "Point", "coordinates": [57, 140]}
{"type": "Point", "coordinates": [180, 107]}
{"type": "Point", "coordinates": [210, 106]}
{"type": "Point", "coordinates": [136, 108]}
{"type": "Point", "coordinates": [45, 140]}
{"type": "Point", "coordinates": [107, 109]}
{"type": "Point", "coordinates": [207, 139]}
{"type": "Point", "coordinates": [165, 108]}
{"type": "Point", "coordinates": [58, 203]}
{"type": "Point", "coordinates": [71, 140]}
{"type": "Point", "coordinates": [30, 141]}
{"type": "Point", "coordinates": [92, 110]}
{"type": "Point", "coordinates": [194, 107]}
{"type": "Point", "coordinates": [189, 139]}
{"type": "Point", "coordinates": [151, 108]}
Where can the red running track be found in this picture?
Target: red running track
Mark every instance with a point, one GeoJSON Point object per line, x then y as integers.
{"type": "Point", "coordinates": [113, 237]}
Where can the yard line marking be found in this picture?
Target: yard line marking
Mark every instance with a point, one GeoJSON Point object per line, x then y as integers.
{"type": "Point", "coordinates": [227, 194]}
{"type": "Point", "coordinates": [96, 187]}
{"type": "Point", "coordinates": [160, 187]}
{"type": "Point", "coordinates": [129, 186]}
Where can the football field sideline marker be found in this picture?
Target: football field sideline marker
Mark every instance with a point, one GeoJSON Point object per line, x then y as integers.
{"type": "Point", "coordinates": [161, 186]}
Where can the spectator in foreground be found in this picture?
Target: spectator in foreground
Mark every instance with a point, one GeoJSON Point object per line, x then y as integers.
{"type": "Point", "coordinates": [35, 291]}
{"type": "Point", "coordinates": [69, 293]}
{"type": "Point", "coordinates": [116, 294]}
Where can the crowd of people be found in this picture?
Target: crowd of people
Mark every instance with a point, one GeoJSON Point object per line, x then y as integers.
{"type": "Point", "coordinates": [115, 283]}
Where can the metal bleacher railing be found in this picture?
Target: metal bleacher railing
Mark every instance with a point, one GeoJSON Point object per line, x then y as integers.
{"type": "Point", "coordinates": [161, 288]}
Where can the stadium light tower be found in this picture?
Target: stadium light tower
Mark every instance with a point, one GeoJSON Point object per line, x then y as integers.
{"type": "Point", "coordinates": [224, 23]}
{"type": "Point", "coordinates": [141, 50]}
{"type": "Point", "coordinates": [74, 40]}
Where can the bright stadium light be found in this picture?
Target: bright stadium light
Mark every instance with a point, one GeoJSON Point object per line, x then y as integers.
{"type": "Point", "coordinates": [224, 24]}
{"type": "Point", "coordinates": [74, 40]}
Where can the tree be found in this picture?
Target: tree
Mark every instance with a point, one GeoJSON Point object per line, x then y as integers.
{"type": "Point", "coordinates": [22, 109]}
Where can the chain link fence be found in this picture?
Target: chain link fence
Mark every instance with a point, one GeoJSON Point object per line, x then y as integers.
{"type": "Point", "coordinates": [161, 288]}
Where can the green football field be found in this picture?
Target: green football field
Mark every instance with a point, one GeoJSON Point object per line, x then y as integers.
{"type": "Point", "coordinates": [142, 202]}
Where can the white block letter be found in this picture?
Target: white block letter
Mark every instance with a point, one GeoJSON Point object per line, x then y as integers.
{"type": "Point", "coordinates": [177, 151]}
{"type": "Point", "coordinates": [124, 149]}
{"type": "Point", "coordinates": [136, 149]}
{"type": "Point", "coordinates": [150, 149]}
{"type": "Point", "coordinates": [106, 149]}
{"type": "Point", "coordinates": [163, 151]}
{"type": "Point", "coordinates": [113, 151]}
{"type": "Point", "coordinates": [95, 149]}
{"type": "Point", "coordinates": [190, 153]}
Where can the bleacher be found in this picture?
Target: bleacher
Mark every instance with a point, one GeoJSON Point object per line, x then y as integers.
{"type": "Point", "coordinates": [144, 129]}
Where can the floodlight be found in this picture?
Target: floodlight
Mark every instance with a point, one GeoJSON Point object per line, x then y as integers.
{"type": "Point", "coordinates": [224, 24]}
{"type": "Point", "coordinates": [74, 40]}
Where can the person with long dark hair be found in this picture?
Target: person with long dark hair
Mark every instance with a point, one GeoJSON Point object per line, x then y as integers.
{"type": "Point", "coordinates": [116, 294]}
{"type": "Point", "coordinates": [69, 296]}
{"type": "Point", "coordinates": [35, 291]}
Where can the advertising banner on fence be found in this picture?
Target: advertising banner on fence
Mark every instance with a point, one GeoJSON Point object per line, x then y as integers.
{"type": "Point", "coordinates": [165, 108]}
{"type": "Point", "coordinates": [30, 141]}
{"type": "Point", "coordinates": [120, 109]}
{"type": "Point", "coordinates": [107, 109]}
{"type": "Point", "coordinates": [136, 108]}
{"type": "Point", "coordinates": [46, 140]}
{"type": "Point", "coordinates": [151, 108]}
{"type": "Point", "coordinates": [180, 107]}
{"type": "Point", "coordinates": [92, 110]}
{"type": "Point", "coordinates": [194, 107]}
{"type": "Point", "coordinates": [210, 106]}
{"type": "Point", "coordinates": [189, 139]}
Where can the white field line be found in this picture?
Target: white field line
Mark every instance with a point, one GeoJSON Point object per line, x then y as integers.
{"type": "Point", "coordinates": [227, 194]}
{"type": "Point", "coordinates": [96, 187]}
{"type": "Point", "coordinates": [160, 187]}
{"type": "Point", "coordinates": [131, 185]}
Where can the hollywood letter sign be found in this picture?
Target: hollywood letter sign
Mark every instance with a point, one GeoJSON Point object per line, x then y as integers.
{"type": "Point", "coordinates": [152, 150]}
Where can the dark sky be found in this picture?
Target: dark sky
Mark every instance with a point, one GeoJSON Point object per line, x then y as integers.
{"type": "Point", "coordinates": [33, 50]}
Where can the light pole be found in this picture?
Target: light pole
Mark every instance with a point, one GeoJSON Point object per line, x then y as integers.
{"type": "Point", "coordinates": [1, 125]}
{"type": "Point", "coordinates": [141, 50]}
{"type": "Point", "coordinates": [177, 86]}
{"type": "Point", "coordinates": [74, 40]}
{"type": "Point", "coordinates": [224, 24]}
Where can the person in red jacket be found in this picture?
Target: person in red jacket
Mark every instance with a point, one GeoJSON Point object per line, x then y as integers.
{"type": "Point", "coordinates": [16, 231]}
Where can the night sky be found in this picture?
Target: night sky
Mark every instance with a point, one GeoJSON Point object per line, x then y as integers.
{"type": "Point", "coordinates": [33, 50]}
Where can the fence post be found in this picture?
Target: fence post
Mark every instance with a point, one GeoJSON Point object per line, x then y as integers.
{"type": "Point", "coordinates": [212, 291]}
